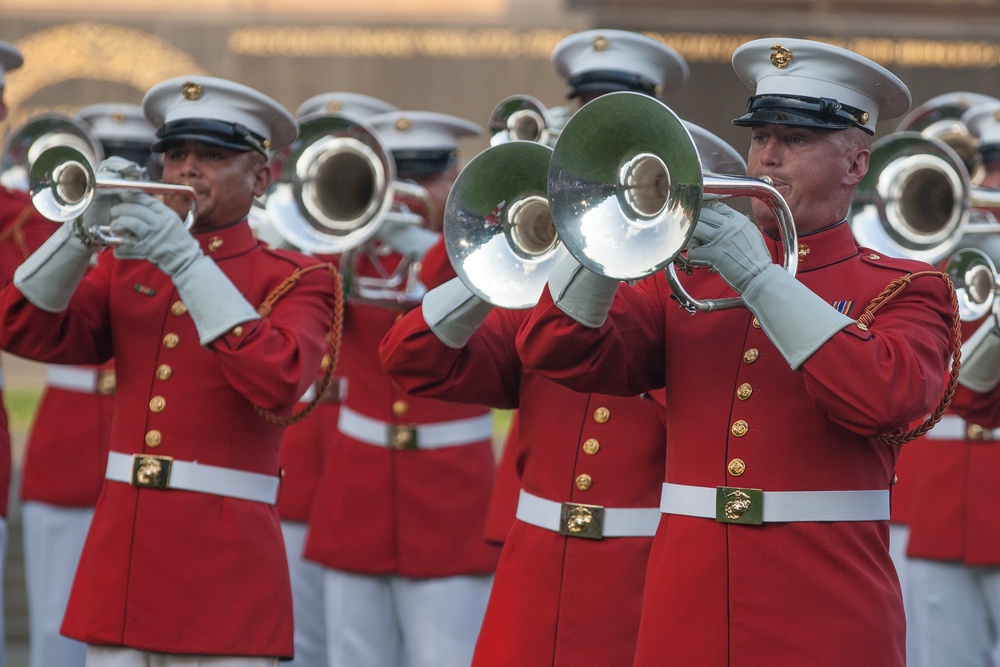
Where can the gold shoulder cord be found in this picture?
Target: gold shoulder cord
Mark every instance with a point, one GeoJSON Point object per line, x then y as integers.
{"type": "Point", "coordinates": [332, 340]}
{"type": "Point", "coordinates": [868, 316]}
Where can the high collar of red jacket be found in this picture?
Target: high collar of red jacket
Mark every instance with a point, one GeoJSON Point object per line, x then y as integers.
{"type": "Point", "coordinates": [228, 241]}
{"type": "Point", "coordinates": [820, 248]}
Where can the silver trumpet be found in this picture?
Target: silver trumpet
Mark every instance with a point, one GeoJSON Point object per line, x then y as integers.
{"type": "Point", "coordinates": [335, 192]}
{"type": "Point", "coordinates": [498, 229]}
{"type": "Point", "coordinates": [523, 118]}
{"type": "Point", "coordinates": [973, 271]}
{"type": "Point", "coordinates": [917, 200]}
{"type": "Point", "coordinates": [626, 187]}
{"type": "Point", "coordinates": [63, 184]}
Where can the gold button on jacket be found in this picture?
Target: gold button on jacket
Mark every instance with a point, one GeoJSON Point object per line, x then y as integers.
{"type": "Point", "coordinates": [737, 467]}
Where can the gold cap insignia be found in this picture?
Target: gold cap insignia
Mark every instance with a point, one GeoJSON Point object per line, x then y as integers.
{"type": "Point", "coordinates": [997, 115]}
{"type": "Point", "coordinates": [118, 117]}
{"type": "Point", "coordinates": [864, 117]}
{"type": "Point", "coordinates": [600, 43]}
{"type": "Point", "coordinates": [266, 144]}
{"type": "Point", "coordinates": [333, 106]}
{"type": "Point", "coordinates": [403, 124]}
{"type": "Point", "coordinates": [191, 90]}
{"type": "Point", "coordinates": [780, 56]}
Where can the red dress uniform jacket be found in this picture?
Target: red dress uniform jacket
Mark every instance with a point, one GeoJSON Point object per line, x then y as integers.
{"type": "Point", "coordinates": [70, 425]}
{"type": "Point", "coordinates": [955, 480]}
{"type": "Point", "coordinates": [22, 230]}
{"type": "Point", "coordinates": [301, 460]}
{"type": "Point", "coordinates": [168, 570]}
{"type": "Point", "coordinates": [303, 448]}
{"type": "Point", "coordinates": [413, 512]}
{"type": "Point", "coordinates": [503, 503]}
{"type": "Point", "coordinates": [556, 600]}
{"type": "Point", "coordinates": [779, 593]}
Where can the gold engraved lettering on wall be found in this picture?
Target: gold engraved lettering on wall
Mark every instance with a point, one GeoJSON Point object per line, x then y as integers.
{"type": "Point", "coordinates": [504, 43]}
{"type": "Point", "coordinates": [91, 51]}
{"type": "Point", "coordinates": [490, 43]}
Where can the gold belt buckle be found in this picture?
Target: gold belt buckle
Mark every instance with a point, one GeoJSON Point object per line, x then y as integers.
{"type": "Point", "coordinates": [106, 382]}
{"type": "Point", "coordinates": [736, 505]}
{"type": "Point", "coordinates": [402, 436]}
{"type": "Point", "coordinates": [150, 472]}
{"type": "Point", "coordinates": [332, 393]}
{"type": "Point", "coordinates": [578, 520]}
{"type": "Point", "coordinates": [978, 433]}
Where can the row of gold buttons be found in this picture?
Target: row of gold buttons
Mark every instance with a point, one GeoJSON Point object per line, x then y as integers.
{"type": "Point", "coordinates": [157, 404]}
{"type": "Point", "coordinates": [591, 446]}
{"type": "Point", "coordinates": [740, 427]}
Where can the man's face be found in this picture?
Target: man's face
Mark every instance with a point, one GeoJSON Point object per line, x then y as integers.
{"type": "Point", "coordinates": [815, 170]}
{"type": "Point", "coordinates": [226, 181]}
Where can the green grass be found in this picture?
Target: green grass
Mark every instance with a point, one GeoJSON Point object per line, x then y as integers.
{"type": "Point", "coordinates": [21, 405]}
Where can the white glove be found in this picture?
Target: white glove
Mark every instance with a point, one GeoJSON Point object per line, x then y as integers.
{"type": "Point", "coordinates": [981, 357]}
{"type": "Point", "coordinates": [119, 167]}
{"type": "Point", "coordinates": [51, 274]}
{"type": "Point", "coordinates": [159, 233]}
{"type": "Point", "coordinates": [453, 312]}
{"type": "Point", "coordinates": [796, 320]}
{"type": "Point", "coordinates": [213, 301]}
{"type": "Point", "coordinates": [98, 213]}
{"type": "Point", "coordinates": [407, 238]}
{"type": "Point", "coordinates": [215, 305]}
{"type": "Point", "coordinates": [731, 244]}
{"type": "Point", "coordinates": [581, 293]}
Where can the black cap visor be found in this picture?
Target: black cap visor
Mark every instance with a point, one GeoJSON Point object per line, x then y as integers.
{"type": "Point", "coordinates": [609, 81]}
{"type": "Point", "coordinates": [817, 112]}
{"type": "Point", "coordinates": [416, 164]}
{"type": "Point", "coordinates": [212, 132]}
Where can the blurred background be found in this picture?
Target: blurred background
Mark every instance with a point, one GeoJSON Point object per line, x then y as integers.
{"type": "Point", "coordinates": [454, 56]}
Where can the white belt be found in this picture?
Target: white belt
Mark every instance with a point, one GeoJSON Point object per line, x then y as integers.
{"type": "Point", "coordinates": [163, 472]}
{"type": "Point", "coordinates": [590, 521]}
{"type": "Point", "coordinates": [72, 378]}
{"type": "Point", "coordinates": [753, 506]}
{"type": "Point", "coordinates": [335, 393]}
{"type": "Point", "coordinates": [415, 436]}
{"type": "Point", "coordinates": [955, 428]}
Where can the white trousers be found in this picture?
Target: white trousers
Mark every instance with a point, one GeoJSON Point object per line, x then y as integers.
{"type": "Point", "coordinates": [53, 538]}
{"type": "Point", "coordinates": [389, 621]}
{"type": "Point", "coordinates": [899, 537]}
{"type": "Point", "coordinates": [108, 656]}
{"type": "Point", "coordinates": [307, 600]}
{"type": "Point", "coordinates": [956, 614]}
